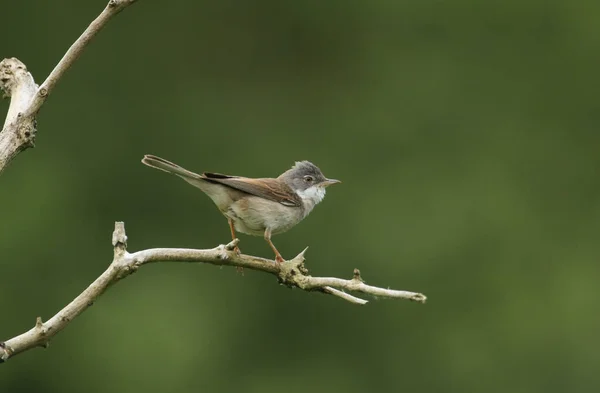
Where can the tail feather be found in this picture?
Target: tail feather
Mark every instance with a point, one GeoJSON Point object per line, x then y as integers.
{"type": "Point", "coordinates": [169, 167]}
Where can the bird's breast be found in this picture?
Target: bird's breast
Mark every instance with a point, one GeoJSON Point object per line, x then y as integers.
{"type": "Point", "coordinates": [252, 215]}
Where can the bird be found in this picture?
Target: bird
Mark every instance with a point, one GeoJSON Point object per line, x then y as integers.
{"type": "Point", "coordinates": [258, 207]}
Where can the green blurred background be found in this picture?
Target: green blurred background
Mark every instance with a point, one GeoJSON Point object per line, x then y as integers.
{"type": "Point", "coordinates": [466, 135]}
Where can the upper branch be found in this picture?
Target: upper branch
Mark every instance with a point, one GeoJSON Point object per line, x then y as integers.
{"type": "Point", "coordinates": [18, 132]}
{"type": "Point", "coordinates": [292, 273]}
{"type": "Point", "coordinates": [112, 8]}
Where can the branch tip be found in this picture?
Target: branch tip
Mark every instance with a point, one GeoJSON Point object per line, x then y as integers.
{"type": "Point", "coordinates": [419, 298]}
{"type": "Point", "coordinates": [357, 276]}
{"type": "Point", "coordinates": [38, 323]}
{"type": "Point", "coordinates": [301, 255]}
{"type": "Point", "coordinates": [232, 244]}
{"type": "Point", "coordinates": [6, 352]}
{"type": "Point", "coordinates": [119, 238]}
{"type": "Point", "coordinates": [298, 262]}
{"type": "Point", "coordinates": [12, 71]}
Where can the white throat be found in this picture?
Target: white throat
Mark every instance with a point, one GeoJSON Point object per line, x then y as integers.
{"type": "Point", "coordinates": [311, 196]}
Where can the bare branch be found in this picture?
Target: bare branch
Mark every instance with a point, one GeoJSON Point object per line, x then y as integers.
{"type": "Point", "coordinates": [112, 8]}
{"type": "Point", "coordinates": [355, 285]}
{"type": "Point", "coordinates": [18, 132]}
{"type": "Point", "coordinates": [291, 273]}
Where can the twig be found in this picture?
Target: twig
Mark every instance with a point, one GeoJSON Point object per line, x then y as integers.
{"type": "Point", "coordinates": [358, 286]}
{"type": "Point", "coordinates": [344, 295]}
{"type": "Point", "coordinates": [112, 8]}
{"type": "Point", "coordinates": [18, 132]}
{"type": "Point", "coordinates": [291, 273]}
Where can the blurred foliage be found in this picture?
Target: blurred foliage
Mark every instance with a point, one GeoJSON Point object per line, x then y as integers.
{"type": "Point", "coordinates": [466, 134]}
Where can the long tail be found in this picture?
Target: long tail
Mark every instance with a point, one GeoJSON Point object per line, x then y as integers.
{"type": "Point", "coordinates": [167, 166]}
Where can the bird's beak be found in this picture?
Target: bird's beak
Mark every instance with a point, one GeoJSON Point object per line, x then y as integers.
{"type": "Point", "coordinates": [329, 182]}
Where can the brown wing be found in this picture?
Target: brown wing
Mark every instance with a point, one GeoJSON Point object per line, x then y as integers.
{"type": "Point", "coordinates": [271, 189]}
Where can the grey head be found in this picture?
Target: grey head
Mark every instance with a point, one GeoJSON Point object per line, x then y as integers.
{"type": "Point", "coordinates": [307, 180]}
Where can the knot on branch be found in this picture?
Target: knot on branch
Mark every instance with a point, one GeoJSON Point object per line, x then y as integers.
{"type": "Point", "coordinates": [232, 244]}
{"type": "Point", "coordinates": [292, 272]}
{"type": "Point", "coordinates": [226, 250]}
{"type": "Point", "coordinates": [357, 276]}
{"type": "Point", "coordinates": [42, 331]}
{"type": "Point", "coordinates": [26, 133]}
{"type": "Point", "coordinates": [124, 269]}
{"type": "Point", "coordinates": [119, 4]}
{"type": "Point", "coordinates": [123, 266]}
{"type": "Point", "coordinates": [5, 351]}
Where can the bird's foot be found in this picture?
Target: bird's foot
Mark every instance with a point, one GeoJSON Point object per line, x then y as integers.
{"type": "Point", "coordinates": [279, 258]}
{"type": "Point", "coordinates": [237, 252]}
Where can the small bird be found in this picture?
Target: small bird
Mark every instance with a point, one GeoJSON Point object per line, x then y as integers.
{"type": "Point", "coordinates": [265, 206]}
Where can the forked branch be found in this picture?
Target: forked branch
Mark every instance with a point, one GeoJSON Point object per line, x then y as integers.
{"type": "Point", "coordinates": [18, 132]}
{"type": "Point", "coordinates": [291, 273]}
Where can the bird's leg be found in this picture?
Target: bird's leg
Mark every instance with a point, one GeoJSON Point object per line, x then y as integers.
{"type": "Point", "coordinates": [236, 249]}
{"type": "Point", "coordinates": [278, 256]}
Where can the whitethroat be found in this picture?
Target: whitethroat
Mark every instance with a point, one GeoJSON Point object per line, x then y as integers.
{"type": "Point", "coordinates": [265, 206]}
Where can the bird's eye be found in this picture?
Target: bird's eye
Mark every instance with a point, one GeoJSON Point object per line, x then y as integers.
{"type": "Point", "coordinates": [308, 179]}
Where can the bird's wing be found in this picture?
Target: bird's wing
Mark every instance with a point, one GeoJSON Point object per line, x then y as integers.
{"type": "Point", "coordinates": [271, 189]}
